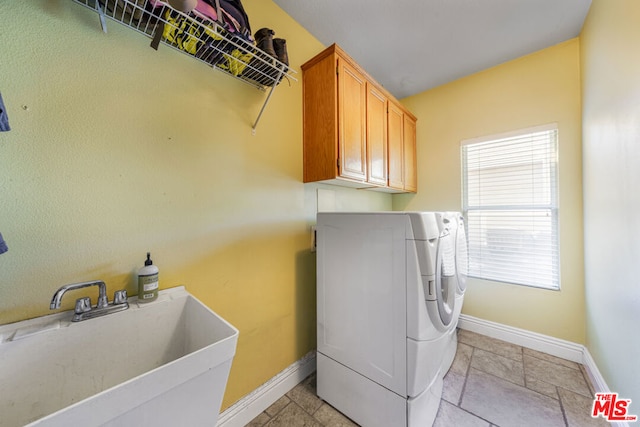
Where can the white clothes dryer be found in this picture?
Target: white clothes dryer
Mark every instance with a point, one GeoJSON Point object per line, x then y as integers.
{"type": "Point", "coordinates": [385, 307]}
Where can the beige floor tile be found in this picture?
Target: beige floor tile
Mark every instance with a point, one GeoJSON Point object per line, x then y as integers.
{"type": "Point", "coordinates": [277, 406]}
{"type": "Point", "coordinates": [542, 387]}
{"type": "Point", "coordinates": [493, 345]}
{"type": "Point", "coordinates": [452, 387]}
{"type": "Point", "coordinates": [460, 363]}
{"type": "Point", "coordinates": [259, 421]}
{"type": "Point", "coordinates": [550, 358]}
{"type": "Point", "coordinates": [559, 375]}
{"type": "Point", "coordinates": [577, 409]}
{"type": "Point", "coordinates": [329, 416]}
{"type": "Point", "coordinates": [506, 404]}
{"type": "Point", "coordinates": [500, 366]}
{"type": "Point", "coordinates": [304, 394]}
{"type": "Point", "coordinates": [293, 416]}
{"type": "Point", "coordinates": [592, 390]}
{"type": "Point", "coordinates": [450, 415]}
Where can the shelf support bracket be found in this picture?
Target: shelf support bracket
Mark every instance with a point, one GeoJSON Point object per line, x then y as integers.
{"type": "Point", "coordinates": [103, 22]}
{"type": "Point", "coordinates": [266, 101]}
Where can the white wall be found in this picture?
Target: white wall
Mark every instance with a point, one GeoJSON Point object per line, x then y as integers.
{"type": "Point", "coordinates": [611, 153]}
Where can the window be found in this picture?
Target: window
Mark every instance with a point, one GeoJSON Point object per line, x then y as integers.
{"type": "Point", "coordinates": [510, 201]}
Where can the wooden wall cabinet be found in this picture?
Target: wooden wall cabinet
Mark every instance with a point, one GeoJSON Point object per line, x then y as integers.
{"type": "Point", "coordinates": [355, 133]}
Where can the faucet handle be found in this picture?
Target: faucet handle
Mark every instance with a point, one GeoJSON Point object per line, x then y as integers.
{"type": "Point", "coordinates": [120, 297]}
{"type": "Point", "coordinates": [83, 305]}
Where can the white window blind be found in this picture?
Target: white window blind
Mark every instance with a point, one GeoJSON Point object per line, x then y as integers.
{"type": "Point", "coordinates": [510, 202]}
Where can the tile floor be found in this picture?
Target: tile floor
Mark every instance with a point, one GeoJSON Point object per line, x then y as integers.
{"type": "Point", "coordinates": [491, 383]}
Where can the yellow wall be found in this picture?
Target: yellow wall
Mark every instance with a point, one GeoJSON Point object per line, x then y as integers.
{"type": "Point", "coordinates": [117, 149]}
{"type": "Point", "coordinates": [536, 89]}
{"type": "Point", "coordinates": [611, 129]}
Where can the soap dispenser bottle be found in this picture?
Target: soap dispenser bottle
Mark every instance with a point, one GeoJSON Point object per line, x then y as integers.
{"type": "Point", "coordinates": [148, 281]}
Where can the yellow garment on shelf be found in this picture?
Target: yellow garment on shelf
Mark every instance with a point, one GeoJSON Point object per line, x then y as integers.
{"type": "Point", "coordinates": [236, 62]}
{"type": "Point", "coordinates": [186, 33]}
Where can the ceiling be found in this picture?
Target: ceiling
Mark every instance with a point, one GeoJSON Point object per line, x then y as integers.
{"type": "Point", "coordinates": [410, 46]}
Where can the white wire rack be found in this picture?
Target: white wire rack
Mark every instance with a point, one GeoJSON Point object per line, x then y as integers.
{"type": "Point", "coordinates": [198, 36]}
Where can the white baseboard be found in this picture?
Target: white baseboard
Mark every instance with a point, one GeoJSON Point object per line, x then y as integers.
{"type": "Point", "coordinates": [554, 346]}
{"type": "Point", "coordinates": [250, 406]}
{"type": "Point", "coordinates": [594, 374]}
{"type": "Point", "coordinates": [598, 381]}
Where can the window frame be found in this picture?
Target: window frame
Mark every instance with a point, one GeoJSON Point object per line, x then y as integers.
{"type": "Point", "coordinates": [552, 207]}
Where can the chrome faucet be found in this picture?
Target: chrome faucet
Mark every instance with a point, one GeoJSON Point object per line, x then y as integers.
{"type": "Point", "coordinates": [83, 309]}
{"type": "Point", "coordinates": [102, 297]}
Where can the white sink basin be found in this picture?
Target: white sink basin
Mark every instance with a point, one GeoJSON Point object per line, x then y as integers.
{"type": "Point", "coordinates": [164, 363]}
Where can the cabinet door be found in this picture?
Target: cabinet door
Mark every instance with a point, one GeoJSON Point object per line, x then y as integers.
{"type": "Point", "coordinates": [376, 136]}
{"type": "Point", "coordinates": [351, 122]}
{"type": "Point", "coordinates": [396, 147]}
{"type": "Point", "coordinates": [320, 120]}
{"type": "Point", "coordinates": [410, 159]}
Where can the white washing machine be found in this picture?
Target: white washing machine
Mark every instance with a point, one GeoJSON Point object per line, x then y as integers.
{"type": "Point", "coordinates": [454, 223]}
{"type": "Point", "coordinates": [385, 309]}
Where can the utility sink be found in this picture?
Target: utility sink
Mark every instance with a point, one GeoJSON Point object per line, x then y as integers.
{"type": "Point", "coordinates": [164, 363]}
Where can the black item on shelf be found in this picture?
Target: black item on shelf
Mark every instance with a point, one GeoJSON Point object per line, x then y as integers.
{"type": "Point", "coordinates": [262, 67]}
{"type": "Point", "coordinates": [264, 40]}
{"type": "Point", "coordinates": [280, 47]}
{"type": "Point", "coordinates": [212, 50]}
{"type": "Point", "coordinates": [258, 67]}
{"type": "Point", "coordinates": [233, 17]}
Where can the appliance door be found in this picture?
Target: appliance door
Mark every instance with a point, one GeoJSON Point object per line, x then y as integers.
{"type": "Point", "coordinates": [441, 300]}
{"type": "Point", "coordinates": [462, 255]}
{"type": "Point", "coordinates": [361, 295]}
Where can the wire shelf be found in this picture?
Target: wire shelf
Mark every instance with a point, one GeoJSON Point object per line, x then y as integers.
{"type": "Point", "coordinates": [198, 36]}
